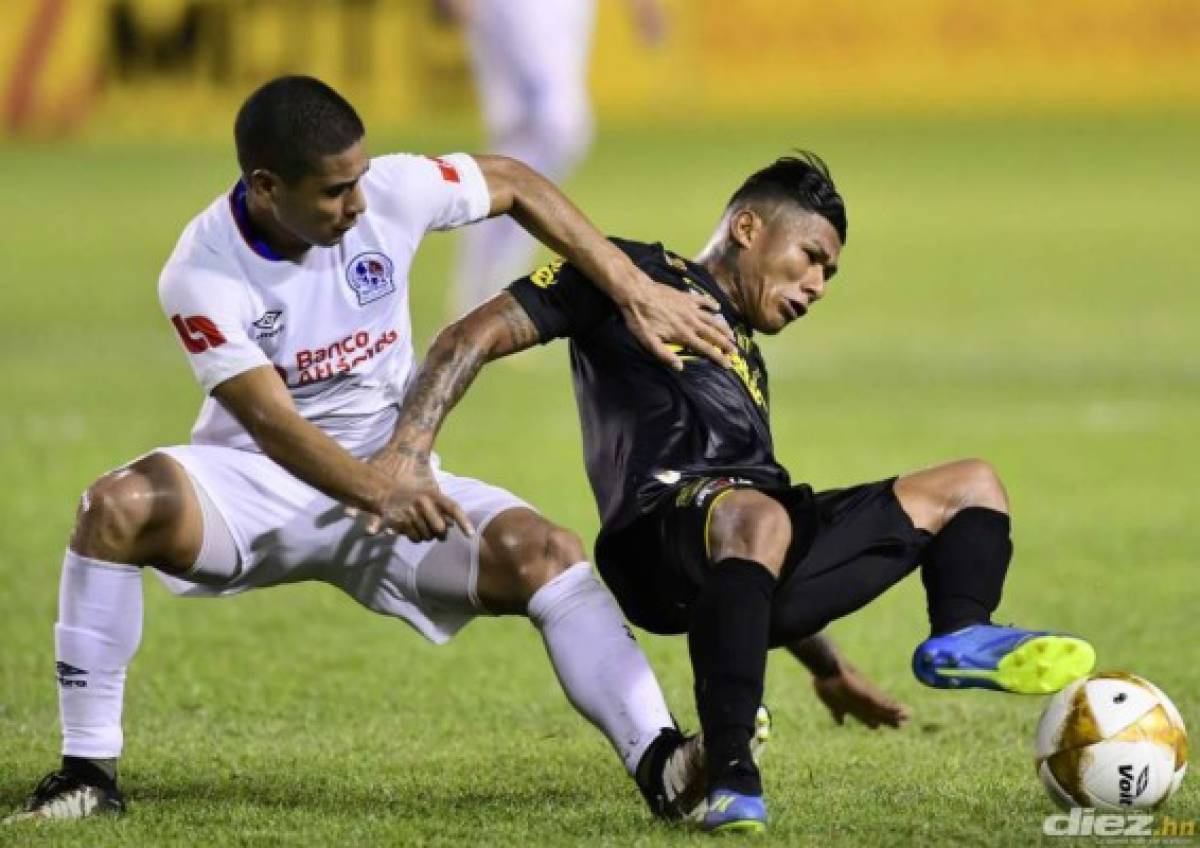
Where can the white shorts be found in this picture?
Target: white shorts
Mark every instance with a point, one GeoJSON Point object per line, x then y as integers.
{"type": "Point", "coordinates": [287, 532]}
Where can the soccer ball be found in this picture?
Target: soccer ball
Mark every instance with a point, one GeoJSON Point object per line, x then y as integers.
{"type": "Point", "coordinates": [1112, 741]}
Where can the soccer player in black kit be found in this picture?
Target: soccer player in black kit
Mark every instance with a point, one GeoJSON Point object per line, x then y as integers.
{"type": "Point", "coordinates": [704, 532]}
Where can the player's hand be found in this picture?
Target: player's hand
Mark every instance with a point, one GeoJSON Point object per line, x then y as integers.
{"type": "Point", "coordinates": [660, 316]}
{"type": "Point", "coordinates": [416, 508]}
{"type": "Point", "coordinates": [850, 693]}
{"type": "Point", "coordinates": [402, 463]}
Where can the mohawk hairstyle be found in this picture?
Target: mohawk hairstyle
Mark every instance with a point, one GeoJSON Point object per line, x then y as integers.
{"type": "Point", "coordinates": [289, 123]}
{"type": "Point", "coordinates": [803, 180]}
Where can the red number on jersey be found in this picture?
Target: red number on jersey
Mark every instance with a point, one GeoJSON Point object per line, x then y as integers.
{"type": "Point", "coordinates": [197, 332]}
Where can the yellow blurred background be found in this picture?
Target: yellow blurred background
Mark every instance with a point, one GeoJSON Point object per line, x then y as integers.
{"type": "Point", "coordinates": [179, 67]}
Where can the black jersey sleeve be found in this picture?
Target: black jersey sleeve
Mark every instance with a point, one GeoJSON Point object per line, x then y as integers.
{"type": "Point", "coordinates": [561, 301]}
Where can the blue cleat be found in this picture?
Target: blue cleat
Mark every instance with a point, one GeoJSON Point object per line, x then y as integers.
{"type": "Point", "coordinates": [1009, 659]}
{"type": "Point", "coordinates": [732, 812]}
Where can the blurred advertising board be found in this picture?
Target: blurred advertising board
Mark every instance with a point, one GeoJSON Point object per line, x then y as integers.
{"type": "Point", "coordinates": [180, 67]}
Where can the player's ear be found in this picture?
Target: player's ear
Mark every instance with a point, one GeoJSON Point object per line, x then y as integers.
{"type": "Point", "coordinates": [264, 183]}
{"type": "Point", "coordinates": [744, 226]}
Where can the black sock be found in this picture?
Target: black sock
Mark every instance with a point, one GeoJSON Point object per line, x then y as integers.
{"type": "Point", "coordinates": [95, 772]}
{"type": "Point", "coordinates": [963, 569]}
{"type": "Point", "coordinates": [728, 644]}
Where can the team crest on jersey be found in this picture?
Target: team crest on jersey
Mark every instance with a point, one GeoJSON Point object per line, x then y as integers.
{"type": "Point", "coordinates": [370, 276]}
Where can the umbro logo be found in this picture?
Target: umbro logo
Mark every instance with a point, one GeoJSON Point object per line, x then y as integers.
{"type": "Point", "coordinates": [68, 676]}
{"type": "Point", "coordinates": [269, 319]}
{"type": "Point", "coordinates": [269, 324]}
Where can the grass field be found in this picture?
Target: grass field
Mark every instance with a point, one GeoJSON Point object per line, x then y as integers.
{"type": "Point", "coordinates": [1020, 290]}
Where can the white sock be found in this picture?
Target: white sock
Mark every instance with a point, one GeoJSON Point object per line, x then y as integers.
{"type": "Point", "coordinates": [600, 666]}
{"type": "Point", "coordinates": [98, 631]}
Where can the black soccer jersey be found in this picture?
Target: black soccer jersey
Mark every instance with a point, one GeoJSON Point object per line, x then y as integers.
{"type": "Point", "coordinates": [647, 429]}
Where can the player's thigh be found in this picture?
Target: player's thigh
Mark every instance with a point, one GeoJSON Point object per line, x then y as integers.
{"type": "Point", "coordinates": [864, 543]}
{"type": "Point", "coordinates": [657, 565]}
{"type": "Point", "coordinates": [646, 574]}
{"type": "Point", "coordinates": [144, 513]}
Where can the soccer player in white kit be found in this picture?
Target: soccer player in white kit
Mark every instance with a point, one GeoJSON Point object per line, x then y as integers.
{"type": "Point", "coordinates": [530, 60]}
{"type": "Point", "coordinates": [290, 298]}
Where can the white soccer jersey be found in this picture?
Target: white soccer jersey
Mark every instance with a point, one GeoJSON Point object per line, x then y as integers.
{"type": "Point", "coordinates": [336, 324]}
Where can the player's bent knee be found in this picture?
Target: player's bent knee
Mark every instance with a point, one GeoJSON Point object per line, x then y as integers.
{"type": "Point", "coordinates": [141, 514]}
{"type": "Point", "coordinates": [932, 497]}
{"type": "Point", "coordinates": [113, 513]}
{"type": "Point", "coordinates": [749, 525]}
{"type": "Point", "coordinates": [563, 549]}
{"type": "Point", "coordinates": [521, 552]}
{"type": "Point", "coordinates": [982, 486]}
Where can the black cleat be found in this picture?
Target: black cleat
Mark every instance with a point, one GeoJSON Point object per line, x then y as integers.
{"type": "Point", "coordinates": [673, 773]}
{"type": "Point", "coordinates": [67, 796]}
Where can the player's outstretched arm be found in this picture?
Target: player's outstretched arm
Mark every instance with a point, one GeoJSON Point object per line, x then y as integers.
{"type": "Point", "coordinates": [842, 688]}
{"type": "Point", "coordinates": [658, 316]}
{"type": "Point", "coordinates": [412, 507]}
{"type": "Point", "coordinates": [496, 328]}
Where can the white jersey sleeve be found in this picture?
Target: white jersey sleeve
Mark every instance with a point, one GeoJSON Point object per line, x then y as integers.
{"type": "Point", "coordinates": [438, 193]}
{"type": "Point", "coordinates": [210, 312]}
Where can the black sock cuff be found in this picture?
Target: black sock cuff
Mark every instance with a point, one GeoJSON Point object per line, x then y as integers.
{"type": "Point", "coordinates": [971, 526]}
{"type": "Point", "coordinates": [746, 569]}
{"type": "Point", "coordinates": [983, 517]}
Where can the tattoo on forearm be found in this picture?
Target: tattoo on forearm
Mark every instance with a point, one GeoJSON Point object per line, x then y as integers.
{"type": "Point", "coordinates": [410, 453]}
{"type": "Point", "coordinates": [499, 328]}
{"type": "Point", "coordinates": [818, 655]}
{"type": "Point", "coordinates": [450, 367]}
{"type": "Point", "coordinates": [521, 331]}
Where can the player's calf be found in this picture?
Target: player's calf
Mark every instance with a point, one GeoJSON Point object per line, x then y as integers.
{"type": "Point", "coordinates": [964, 505]}
{"type": "Point", "coordinates": [748, 538]}
{"type": "Point", "coordinates": [143, 514]}
{"type": "Point", "coordinates": [529, 565]}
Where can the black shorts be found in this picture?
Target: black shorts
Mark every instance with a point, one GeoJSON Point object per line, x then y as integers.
{"type": "Point", "coordinates": [848, 547]}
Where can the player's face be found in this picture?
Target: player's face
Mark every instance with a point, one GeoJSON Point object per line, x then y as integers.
{"type": "Point", "coordinates": [323, 205]}
{"type": "Point", "coordinates": [785, 263]}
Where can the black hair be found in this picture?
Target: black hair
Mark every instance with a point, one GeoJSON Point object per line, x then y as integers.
{"type": "Point", "coordinates": [289, 123]}
{"type": "Point", "coordinates": [803, 180]}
